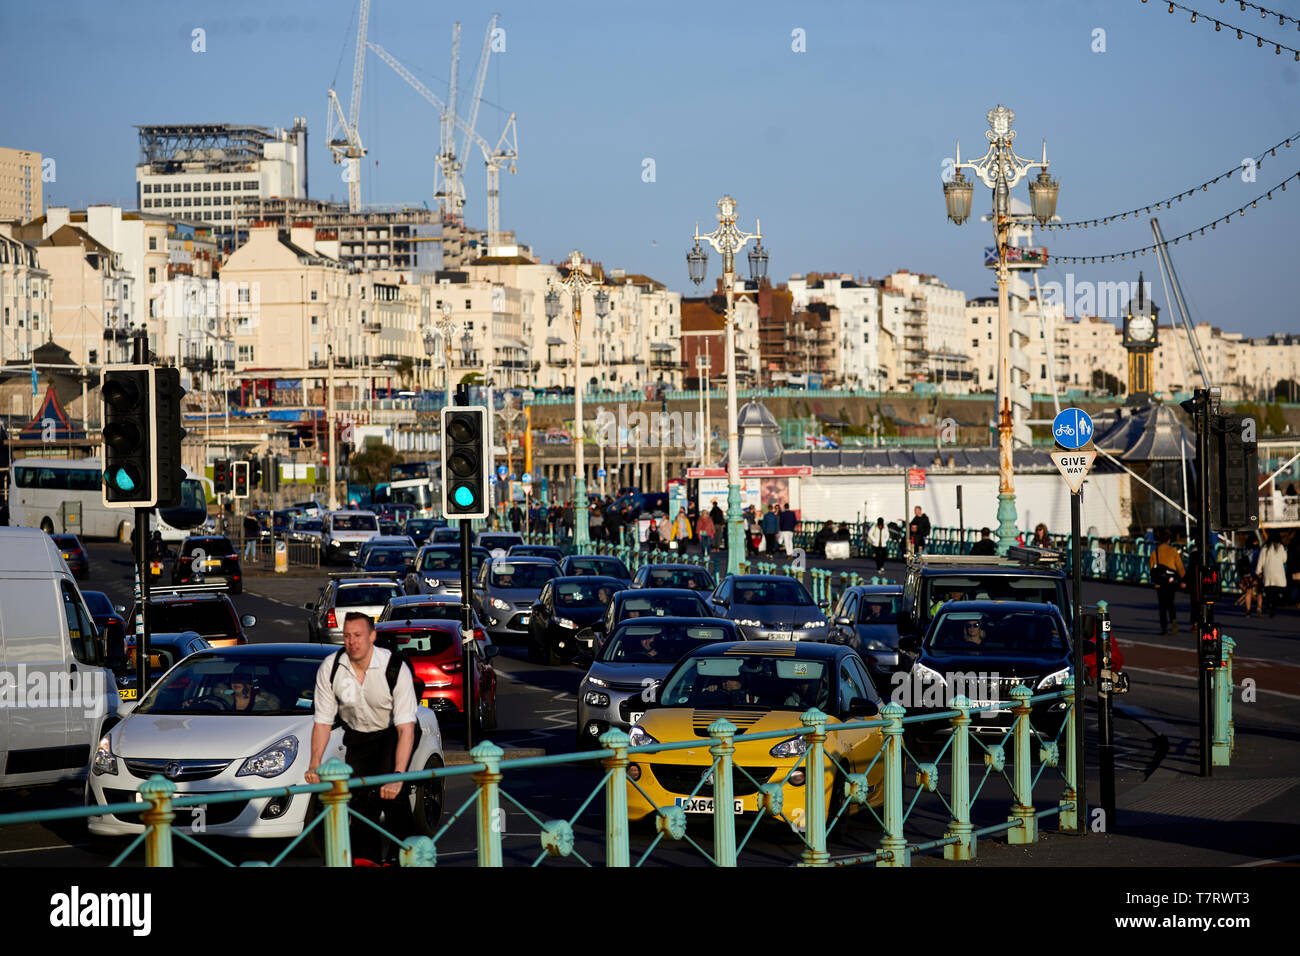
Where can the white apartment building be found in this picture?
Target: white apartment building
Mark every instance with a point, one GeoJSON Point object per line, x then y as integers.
{"type": "Point", "coordinates": [206, 172]}
{"type": "Point", "coordinates": [856, 322]}
{"type": "Point", "coordinates": [26, 297]}
{"type": "Point", "coordinates": [929, 341]}
{"type": "Point", "coordinates": [20, 184]}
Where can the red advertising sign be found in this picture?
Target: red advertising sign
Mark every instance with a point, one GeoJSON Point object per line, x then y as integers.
{"type": "Point", "coordinates": [916, 479]}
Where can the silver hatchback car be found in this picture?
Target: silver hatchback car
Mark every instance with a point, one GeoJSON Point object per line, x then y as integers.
{"type": "Point", "coordinates": [366, 595]}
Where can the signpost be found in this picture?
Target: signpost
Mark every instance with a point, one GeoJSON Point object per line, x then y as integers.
{"type": "Point", "coordinates": [1072, 429]}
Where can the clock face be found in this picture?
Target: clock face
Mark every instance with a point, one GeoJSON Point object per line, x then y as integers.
{"type": "Point", "coordinates": [1141, 328]}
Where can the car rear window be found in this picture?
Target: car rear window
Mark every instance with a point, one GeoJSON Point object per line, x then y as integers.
{"type": "Point", "coordinates": [994, 587]}
{"type": "Point", "coordinates": [366, 595]}
{"type": "Point", "coordinates": [596, 566]}
{"type": "Point", "coordinates": [211, 546]}
{"type": "Point", "coordinates": [506, 575]}
{"type": "Point", "coordinates": [421, 641]}
{"type": "Point", "coordinates": [425, 612]}
{"type": "Point", "coordinates": [664, 606]}
{"type": "Point", "coordinates": [208, 618]}
{"type": "Point", "coordinates": [390, 558]}
{"type": "Point", "coordinates": [679, 578]}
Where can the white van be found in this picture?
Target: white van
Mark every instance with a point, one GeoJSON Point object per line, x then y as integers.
{"type": "Point", "coordinates": [55, 691]}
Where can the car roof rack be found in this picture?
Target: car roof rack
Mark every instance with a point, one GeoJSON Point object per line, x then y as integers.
{"type": "Point", "coordinates": [183, 590]}
{"type": "Point", "coordinates": [363, 575]}
{"type": "Point", "coordinates": [1016, 556]}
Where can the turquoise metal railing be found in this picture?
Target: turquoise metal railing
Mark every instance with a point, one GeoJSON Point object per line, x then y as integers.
{"type": "Point", "coordinates": [884, 789]}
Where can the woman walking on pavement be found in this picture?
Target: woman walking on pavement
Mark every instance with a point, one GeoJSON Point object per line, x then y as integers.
{"type": "Point", "coordinates": [1166, 575]}
{"type": "Point", "coordinates": [1271, 568]}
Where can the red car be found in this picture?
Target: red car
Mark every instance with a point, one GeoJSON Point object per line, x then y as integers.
{"type": "Point", "coordinates": [433, 647]}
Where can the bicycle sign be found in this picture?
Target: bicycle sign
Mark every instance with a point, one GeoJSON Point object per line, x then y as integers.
{"type": "Point", "coordinates": [1072, 428]}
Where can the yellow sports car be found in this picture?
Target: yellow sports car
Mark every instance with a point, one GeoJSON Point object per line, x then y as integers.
{"type": "Point", "coordinates": [759, 686]}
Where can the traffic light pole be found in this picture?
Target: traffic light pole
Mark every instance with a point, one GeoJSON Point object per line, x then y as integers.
{"type": "Point", "coordinates": [467, 645]}
{"type": "Point", "coordinates": [1203, 609]}
{"type": "Point", "coordinates": [1080, 670]}
{"type": "Point", "coordinates": [142, 606]}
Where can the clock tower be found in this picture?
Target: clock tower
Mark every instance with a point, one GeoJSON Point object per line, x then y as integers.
{"type": "Point", "coordinates": [1141, 331]}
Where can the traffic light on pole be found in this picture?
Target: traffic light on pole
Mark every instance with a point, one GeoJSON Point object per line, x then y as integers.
{"type": "Point", "coordinates": [1211, 646]}
{"type": "Point", "coordinates": [129, 436]}
{"type": "Point", "coordinates": [170, 470]}
{"type": "Point", "coordinates": [221, 475]}
{"type": "Point", "coordinates": [255, 473]}
{"type": "Point", "coordinates": [240, 472]}
{"type": "Point", "coordinates": [464, 462]}
{"type": "Point", "coordinates": [1233, 473]}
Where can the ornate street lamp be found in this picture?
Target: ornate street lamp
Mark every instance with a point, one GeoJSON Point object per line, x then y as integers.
{"type": "Point", "coordinates": [1001, 169]}
{"type": "Point", "coordinates": [728, 240]}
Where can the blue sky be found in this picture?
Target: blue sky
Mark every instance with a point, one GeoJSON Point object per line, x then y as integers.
{"type": "Point", "coordinates": [838, 149]}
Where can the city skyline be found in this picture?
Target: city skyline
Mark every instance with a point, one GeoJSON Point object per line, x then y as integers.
{"type": "Point", "coordinates": [838, 149]}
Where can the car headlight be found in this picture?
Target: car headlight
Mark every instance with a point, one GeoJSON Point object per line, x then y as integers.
{"type": "Point", "coordinates": [104, 762]}
{"type": "Point", "coordinates": [926, 674]}
{"type": "Point", "coordinates": [875, 644]}
{"type": "Point", "coordinates": [272, 761]}
{"type": "Point", "coordinates": [745, 622]}
{"type": "Point", "coordinates": [821, 623]}
{"type": "Point", "coordinates": [594, 698]}
{"type": "Point", "coordinates": [565, 622]}
{"type": "Point", "coordinates": [500, 605]}
{"type": "Point", "coordinates": [597, 682]}
{"type": "Point", "coordinates": [793, 747]}
{"type": "Point", "coordinates": [1054, 680]}
{"type": "Point", "coordinates": [636, 737]}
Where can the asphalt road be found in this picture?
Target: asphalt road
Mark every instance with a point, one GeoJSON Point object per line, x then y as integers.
{"type": "Point", "coordinates": [1155, 725]}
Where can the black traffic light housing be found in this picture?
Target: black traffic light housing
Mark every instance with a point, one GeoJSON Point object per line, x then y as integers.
{"type": "Point", "coordinates": [465, 462]}
{"type": "Point", "coordinates": [129, 436]}
{"type": "Point", "coordinates": [221, 475]}
{"type": "Point", "coordinates": [1234, 473]}
{"type": "Point", "coordinates": [170, 470]}
{"type": "Point", "coordinates": [255, 473]}
{"type": "Point", "coordinates": [1210, 646]}
{"type": "Point", "coordinates": [239, 472]}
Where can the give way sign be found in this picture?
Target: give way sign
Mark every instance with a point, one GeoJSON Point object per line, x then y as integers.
{"type": "Point", "coordinates": [1074, 466]}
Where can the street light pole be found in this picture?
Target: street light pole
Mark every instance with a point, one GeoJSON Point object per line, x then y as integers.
{"type": "Point", "coordinates": [446, 329]}
{"type": "Point", "coordinates": [728, 240]}
{"type": "Point", "coordinates": [1001, 169]}
{"type": "Point", "coordinates": [577, 282]}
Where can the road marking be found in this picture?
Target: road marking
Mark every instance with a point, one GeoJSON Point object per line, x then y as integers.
{"type": "Point", "coordinates": [1193, 677]}
{"type": "Point", "coordinates": [38, 849]}
{"type": "Point", "coordinates": [1273, 862]}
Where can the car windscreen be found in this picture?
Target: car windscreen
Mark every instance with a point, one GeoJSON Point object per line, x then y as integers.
{"type": "Point", "coordinates": [209, 546]}
{"type": "Point", "coordinates": [441, 535]}
{"type": "Point", "coordinates": [508, 575]}
{"type": "Point", "coordinates": [996, 632]}
{"type": "Point", "coordinates": [761, 682]}
{"type": "Point", "coordinates": [493, 541]}
{"type": "Point", "coordinates": [660, 643]}
{"type": "Point", "coordinates": [208, 683]}
{"type": "Point", "coordinates": [357, 522]}
{"type": "Point", "coordinates": [420, 525]}
{"type": "Point", "coordinates": [597, 593]}
{"type": "Point", "coordinates": [366, 595]}
{"type": "Point", "coordinates": [879, 609]}
{"type": "Point", "coordinates": [448, 559]}
{"type": "Point", "coordinates": [771, 592]}
{"type": "Point", "coordinates": [307, 524]}
{"type": "Point", "coordinates": [389, 559]}
{"type": "Point", "coordinates": [610, 566]}
{"type": "Point", "coordinates": [679, 578]}
{"type": "Point", "coordinates": [66, 541]}
{"type": "Point", "coordinates": [423, 641]}
{"type": "Point", "coordinates": [994, 587]}
{"type": "Point", "coordinates": [663, 605]}
{"type": "Point", "coordinates": [208, 618]}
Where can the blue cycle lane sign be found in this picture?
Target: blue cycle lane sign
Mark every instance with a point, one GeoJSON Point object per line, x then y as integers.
{"type": "Point", "coordinates": [1072, 428]}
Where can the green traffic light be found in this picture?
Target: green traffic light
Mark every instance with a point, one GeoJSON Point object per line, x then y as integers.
{"type": "Point", "coordinates": [463, 496]}
{"type": "Point", "coordinates": [122, 480]}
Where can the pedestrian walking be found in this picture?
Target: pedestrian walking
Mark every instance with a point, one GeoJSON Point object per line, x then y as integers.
{"type": "Point", "coordinates": [919, 529]}
{"type": "Point", "coordinates": [652, 536]}
{"type": "Point", "coordinates": [1167, 575]}
{"type": "Point", "coordinates": [377, 712]}
{"type": "Point", "coordinates": [1271, 568]}
{"type": "Point", "coordinates": [516, 517]}
{"type": "Point", "coordinates": [1251, 594]}
{"type": "Point", "coordinates": [596, 522]}
{"type": "Point", "coordinates": [878, 540]}
{"type": "Point", "coordinates": [771, 525]}
{"type": "Point", "coordinates": [706, 530]}
{"type": "Point", "coordinates": [679, 531]}
{"type": "Point", "coordinates": [788, 521]}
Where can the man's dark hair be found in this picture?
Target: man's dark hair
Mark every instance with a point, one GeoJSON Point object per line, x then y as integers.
{"type": "Point", "coordinates": [358, 616]}
{"type": "Point", "coordinates": [984, 532]}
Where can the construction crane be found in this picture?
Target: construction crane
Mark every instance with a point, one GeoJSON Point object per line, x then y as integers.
{"type": "Point", "coordinates": [452, 192]}
{"type": "Point", "coordinates": [505, 152]}
{"type": "Point", "coordinates": [341, 133]}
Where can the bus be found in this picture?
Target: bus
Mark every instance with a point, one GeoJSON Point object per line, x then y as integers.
{"type": "Point", "coordinates": [65, 495]}
{"type": "Point", "coordinates": [412, 483]}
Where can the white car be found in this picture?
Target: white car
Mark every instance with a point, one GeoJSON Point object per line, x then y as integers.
{"type": "Point", "coordinates": [189, 729]}
{"type": "Point", "coordinates": [344, 532]}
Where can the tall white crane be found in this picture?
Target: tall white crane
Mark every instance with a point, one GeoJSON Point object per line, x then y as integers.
{"type": "Point", "coordinates": [452, 192]}
{"type": "Point", "coordinates": [341, 134]}
{"type": "Point", "coordinates": [505, 152]}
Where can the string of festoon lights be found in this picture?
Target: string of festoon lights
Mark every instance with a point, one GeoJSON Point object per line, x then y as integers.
{"type": "Point", "coordinates": [1177, 197]}
{"type": "Point", "coordinates": [1189, 235]}
{"type": "Point", "coordinates": [1282, 18]}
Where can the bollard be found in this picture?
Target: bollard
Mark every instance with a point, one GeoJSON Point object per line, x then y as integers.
{"type": "Point", "coordinates": [960, 826]}
{"type": "Point", "coordinates": [616, 826]}
{"type": "Point", "coordinates": [338, 840]}
{"type": "Point", "coordinates": [157, 791]}
{"type": "Point", "coordinates": [1022, 811]}
{"type": "Point", "coordinates": [893, 847]}
{"type": "Point", "coordinates": [724, 817]}
{"type": "Point", "coordinates": [489, 802]}
{"type": "Point", "coordinates": [814, 788]}
{"type": "Point", "coordinates": [1071, 819]}
{"type": "Point", "coordinates": [1223, 705]}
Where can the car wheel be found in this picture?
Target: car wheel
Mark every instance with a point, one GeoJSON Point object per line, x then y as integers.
{"type": "Point", "coordinates": [487, 717]}
{"type": "Point", "coordinates": [427, 798]}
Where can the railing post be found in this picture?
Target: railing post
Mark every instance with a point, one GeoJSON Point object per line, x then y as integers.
{"type": "Point", "coordinates": [157, 792]}
{"type": "Point", "coordinates": [1223, 705]}
{"type": "Point", "coordinates": [893, 847]}
{"type": "Point", "coordinates": [960, 826]}
{"type": "Point", "coordinates": [814, 788]}
{"type": "Point", "coordinates": [489, 802]}
{"type": "Point", "coordinates": [338, 840]}
{"type": "Point", "coordinates": [1022, 811]}
{"type": "Point", "coordinates": [1071, 817]}
{"type": "Point", "coordinates": [724, 816]}
{"type": "Point", "coordinates": [616, 848]}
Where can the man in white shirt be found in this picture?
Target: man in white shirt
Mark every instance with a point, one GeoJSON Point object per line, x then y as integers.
{"type": "Point", "coordinates": [379, 727]}
{"type": "Point", "coordinates": [878, 538]}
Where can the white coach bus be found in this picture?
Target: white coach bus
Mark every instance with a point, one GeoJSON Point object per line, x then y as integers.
{"type": "Point", "coordinates": [64, 495]}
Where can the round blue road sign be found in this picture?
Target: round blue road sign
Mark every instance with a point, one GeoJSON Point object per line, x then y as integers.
{"type": "Point", "coordinates": [501, 471]}
{"type": "Point", "coordinates": [1072, 428]}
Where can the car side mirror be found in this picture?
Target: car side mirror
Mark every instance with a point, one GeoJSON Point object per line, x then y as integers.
{"type": "Point", "coordinates": [582, 661]}
{"type": "Point", "coordinates": [824, 604]}
{"type": "Point", "coordinates": [309, 606]}
{"type": "Point", "coordinates": [248, 620]}
{"type": "Point", "coordinates": [120, 608]}
{"type": "Point", "coordinates": [588, 636]}
{"type": "Point", "coordinates": [863, 707]}
{"type": "Point", "coordinates": [491, 651]}
{"type": "Point", "coordinates": [722, 602]}
{"type": "Point", "coordinates": [842, 621]}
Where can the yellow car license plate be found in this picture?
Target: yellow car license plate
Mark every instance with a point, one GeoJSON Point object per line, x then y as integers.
{"type": "Point", "coordinates": [126, 693]}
